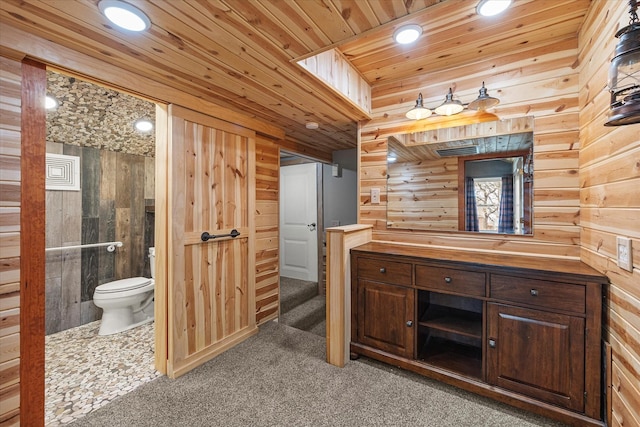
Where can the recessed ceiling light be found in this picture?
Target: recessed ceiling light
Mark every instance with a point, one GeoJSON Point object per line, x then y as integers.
{"type": "Point", "coordinates": [124, 15]}
{"type": "Point", "coordinates": [50, 102]}
{"type": "Point", "coordinates": [492, 7]}
{"type": "Point", "coordinates": [312, 125]}
{"type": "Point", "coordinates": [407, 33]}
{"type": "Point", "coordinates": [144, 125]}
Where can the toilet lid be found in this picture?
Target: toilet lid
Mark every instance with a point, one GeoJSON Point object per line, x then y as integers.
{"type": "Point", "coordinates": [123, 285]}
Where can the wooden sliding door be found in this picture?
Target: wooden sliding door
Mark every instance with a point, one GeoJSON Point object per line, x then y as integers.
{"type": "Point", "coordinates": [210, 284]}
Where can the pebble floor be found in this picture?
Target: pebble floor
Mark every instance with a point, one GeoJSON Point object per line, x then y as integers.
{"type": "Point", "coordinates": [85, 371]}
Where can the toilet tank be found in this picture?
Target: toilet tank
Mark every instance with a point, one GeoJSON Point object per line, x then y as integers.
{"type": "Point", "coordinates": [152, 261]}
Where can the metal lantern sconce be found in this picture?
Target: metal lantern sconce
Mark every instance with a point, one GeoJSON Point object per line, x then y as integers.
{"type": "Point", "coordinates": [624, 74]}
{"type": "Point", "coordinates": [452, 106]}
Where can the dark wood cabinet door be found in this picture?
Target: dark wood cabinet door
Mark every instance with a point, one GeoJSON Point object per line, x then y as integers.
{"type": "Point", "coordinates": [385, 317]}
{"type": "Point", "coordinates": [537, 353]}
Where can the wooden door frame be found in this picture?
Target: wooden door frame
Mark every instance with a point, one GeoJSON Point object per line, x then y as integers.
{"type": "Point", "coordinates": [32, 242]}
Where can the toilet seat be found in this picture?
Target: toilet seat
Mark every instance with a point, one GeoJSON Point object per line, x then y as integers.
{"type": "Point", "coordinates": [123, 285]}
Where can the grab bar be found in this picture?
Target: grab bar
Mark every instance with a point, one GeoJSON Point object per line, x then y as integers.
{"type": "Point", "coordinates": [111, 246]}
{"type": "Point", "coordinates": [206, 236]}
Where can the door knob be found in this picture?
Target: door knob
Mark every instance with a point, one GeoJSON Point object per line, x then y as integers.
{"type": "Point", "coordinates": [492, 343]}
{"type": "Point", "coordinates": [409, 323]}
{"type": "Point", "coordinates": [312, 226]}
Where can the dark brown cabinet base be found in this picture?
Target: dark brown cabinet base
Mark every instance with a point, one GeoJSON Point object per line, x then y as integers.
{"type": "Point", "coordinates": [518, 329]}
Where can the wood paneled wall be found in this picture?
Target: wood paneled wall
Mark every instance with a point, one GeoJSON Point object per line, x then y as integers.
{"type": "Point", "coordinates": [267, 223]}
{"type": "Point", "coordinates": [10, 103]}
{"type": "Point", "coordinates": [331, 67]}
{"type": "Point", "coordinates": [610, 205]}
{"type": "Point", "coordinates": [541, 81]}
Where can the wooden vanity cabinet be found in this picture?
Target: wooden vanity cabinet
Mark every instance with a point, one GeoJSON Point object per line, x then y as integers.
{"type": "Point", "coordinates": [384, 301]}
{"type": "Point", "coordinates": [537, 353]}
{"type": "Point", "coordinates": [522, 330]}
{"type": "Point", "coordinates": [385, 314]}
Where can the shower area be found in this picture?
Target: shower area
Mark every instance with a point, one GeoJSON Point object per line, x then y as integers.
{"type": "Point", "coordinates": [100, 189]}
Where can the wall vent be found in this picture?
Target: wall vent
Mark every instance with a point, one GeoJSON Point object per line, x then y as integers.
{"type": "Point", "coordinates": [458, 151]}
{"type": "Point", "coordinates": [63, 172]}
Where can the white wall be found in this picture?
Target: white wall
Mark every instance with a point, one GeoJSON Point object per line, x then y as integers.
{"type": "Point", "coordinates": [339, 197]}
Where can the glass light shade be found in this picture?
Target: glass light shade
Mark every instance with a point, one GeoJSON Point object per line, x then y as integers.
{"type": "Point", "coordinates": [407, 33]}
{"type": "Point", "coordinates": [624, 78]}
{"type": "Point", "coordinates": [144, 125]}
{"type": "Point", "coordinates": [419, 111]}
{"type": "Point", "coordinates": [50, 102]}
{"type": "Point", "coordinates": [124, 15]}
{"type": "Point", "coordinates": [483, 101]}
{"type": "Point", "coordinates": [450, 106]}
{"type": "Point", "coordinates": [492, 7]}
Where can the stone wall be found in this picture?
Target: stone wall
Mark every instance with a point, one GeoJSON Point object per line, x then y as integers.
{"type": "Point", "coordinates": [89, 115]}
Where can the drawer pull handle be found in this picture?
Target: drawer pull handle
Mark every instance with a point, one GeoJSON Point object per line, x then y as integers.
{"type": "Point", "coordinates": [448, 279]}
{"type": "Point", "coordinates": [383, 270]}
{"type": "Point", "coordinates": [534, 292]}
{"type": "Point", "coordinates": [409, 323]}
{"type": "Point", "coordinates": [492, 343]}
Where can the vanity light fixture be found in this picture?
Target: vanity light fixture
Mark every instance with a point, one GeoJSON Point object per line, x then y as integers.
{"type": "Point", "coordinates": [419, 111]}
{"type": "Point", "coordinates": [452, 105]}
{"type": "Point", "coordinates": [492, 7]}
{"type": "Point", "coordinates": [124, 15]}
{"type": "Point", "coordinates": [483, 101]}
{"type": "Point", "coordinates": [144, 125]}
{"type": "Point", "coordinates": [50, 103]}
{"type": "Point", "coordinates": [407, 33]}
{"type": "Point", "coordinates": [624, 74]}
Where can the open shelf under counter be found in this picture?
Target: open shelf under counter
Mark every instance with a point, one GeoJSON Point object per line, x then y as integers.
{"type": "Point", "coordinates": [460, 322]}
{"type": "Point", "coordinates": [459, 358]}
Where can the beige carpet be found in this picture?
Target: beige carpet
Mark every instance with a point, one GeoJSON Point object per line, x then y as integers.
{"type": "Point", "coordinates": [279, 378]}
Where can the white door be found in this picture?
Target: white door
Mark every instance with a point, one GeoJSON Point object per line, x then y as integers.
{"type": "Point", "coordinates": [298, 219]}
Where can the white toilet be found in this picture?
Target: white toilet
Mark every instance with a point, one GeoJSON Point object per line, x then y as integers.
{"type": "Point", "coordinates": [126, 303]}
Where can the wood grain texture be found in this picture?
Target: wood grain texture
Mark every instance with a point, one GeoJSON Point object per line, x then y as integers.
{"type": "Point", "coordinates": [161, 230]}
{"type": "Point", "coordinates": [32, 259]}
{"type": "Point", "coordinates": [556, 178]}
{"type": "Point", "coordinates": [266, 219]}
{"type": "Point", "coordinates": [610, 206]}
{"type": "Point", "coordinates": [339, 241]}
{"type": "Point", "coordinates": [211, 294]}
{"type": "Point", "coordinates": [243, 55]}
{"type": "Point", "coordinates": [10, 218]}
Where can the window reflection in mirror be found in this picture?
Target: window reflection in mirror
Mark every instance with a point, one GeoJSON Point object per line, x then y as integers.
{"type": "Point", "coordinates": [497, 193]}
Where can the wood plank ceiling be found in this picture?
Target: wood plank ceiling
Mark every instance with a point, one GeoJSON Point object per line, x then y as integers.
{"type": "Point", "coordinates": [242, 54]}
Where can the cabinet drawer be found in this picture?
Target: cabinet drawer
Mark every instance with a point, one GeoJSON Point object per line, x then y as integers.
{"type": "Point", "coordinates": [378, 270]}
{"type": "Point", "coordinates": [541, 293]}
{"type": "Point", "coordinates": [451, 280]}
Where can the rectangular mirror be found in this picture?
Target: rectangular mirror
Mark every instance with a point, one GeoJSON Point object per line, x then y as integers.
{"type": "Point", "coordinates": [474, 178]}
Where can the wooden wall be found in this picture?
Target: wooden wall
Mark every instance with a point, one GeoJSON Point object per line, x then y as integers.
{"type": "Point", "coordinates": [267, 222]}
{"type": "Point", "coordinates": [268, 143]}
{"type": "Point", "coordinates": [610, 205]}
{"type": "Point", "coordinates": [115, 203]}
{"type": "Point", "coordinates": [539, 81]}
{"type": "Point", "coordinates": [10, 102]}
{"type": "Point", "coordinates": [331, 67]}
